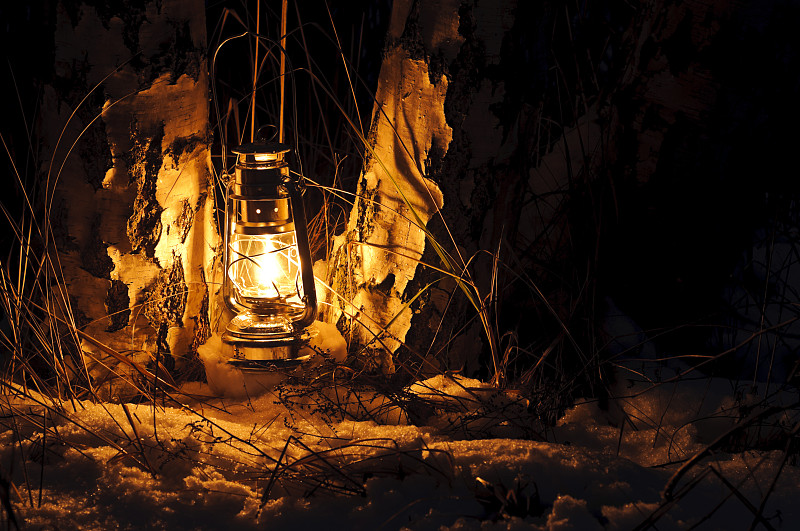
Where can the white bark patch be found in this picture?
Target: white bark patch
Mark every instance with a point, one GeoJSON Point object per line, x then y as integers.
{"type": "Point", "coordinates": [386, 234]}
{"type": "Point", "coordinates": [149, 107]}
{"type": "Point", "coordinates": [183, 179]}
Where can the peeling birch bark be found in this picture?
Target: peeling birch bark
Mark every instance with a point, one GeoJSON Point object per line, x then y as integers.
{"type": "Point", "coordinates": [410, 165]}
{"type": "Point", "coordinates": [132, 204]}
{"type": "Point", "coordinates": [378, 253]}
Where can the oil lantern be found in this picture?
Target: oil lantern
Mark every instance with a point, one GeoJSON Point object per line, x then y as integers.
{"type": "Point", "coordinates": [269, 280]}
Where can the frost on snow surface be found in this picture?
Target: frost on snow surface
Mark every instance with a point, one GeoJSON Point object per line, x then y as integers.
{"type": "Point", "coordinates": [470, 458]}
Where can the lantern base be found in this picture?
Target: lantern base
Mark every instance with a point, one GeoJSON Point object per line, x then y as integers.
{"type": "Point", "coordinates": [265, 343]}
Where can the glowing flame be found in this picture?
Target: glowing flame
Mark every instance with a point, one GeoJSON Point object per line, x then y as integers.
{"type": "Point", "coordinates": [265, 266]}
{"type": "Point", "coordinates": [268, 273]}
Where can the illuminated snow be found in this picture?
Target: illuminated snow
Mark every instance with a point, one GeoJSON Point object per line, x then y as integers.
{"type": "Point", "coordinates": [207, 462]}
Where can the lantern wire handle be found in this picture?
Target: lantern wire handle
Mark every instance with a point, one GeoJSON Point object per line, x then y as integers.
{"type": "Point", "coordinates": [262, 133]}
{"type": "Point", "coordinates": [291, 71]}
{"type": "Point", "coordinates": [304, 251]}
{"type": "Point", "coordinates": [255, 76]}
{"type": "Point", "coordinates": [284, 9]}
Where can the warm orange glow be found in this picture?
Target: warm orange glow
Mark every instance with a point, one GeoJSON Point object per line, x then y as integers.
{"type": "Point", "coordinates": [265, 266]}
{"type": "Point", "coordinates": [264, 157]}
{"type": "Point", "coordinates": [267, 271]}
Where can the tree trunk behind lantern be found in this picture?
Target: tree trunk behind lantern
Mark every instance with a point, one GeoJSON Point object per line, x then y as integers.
{"type": "Point", "coordinates": [132, 200]}
{"type": "Point", "coordinates": [468, 118]}
{"type": "Point", "coordinates": [433, 147]}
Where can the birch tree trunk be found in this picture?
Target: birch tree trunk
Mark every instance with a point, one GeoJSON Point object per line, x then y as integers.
{"type": "Point", "coordinates": [125, 140]}
{"type": "Point", "coordinates": [432, 139]}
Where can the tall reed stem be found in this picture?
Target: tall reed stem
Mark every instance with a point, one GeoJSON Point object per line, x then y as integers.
{"type": "Point", "coordinates": [284, 9]}
{"type": "Point", "coordinates": [255, 75]}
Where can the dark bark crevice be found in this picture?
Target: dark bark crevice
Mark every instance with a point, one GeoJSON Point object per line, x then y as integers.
{"type": "Point", "coordinates": [202, 323]}
{"type": "Point", "coordinates": [117, 305]}
{"type": "Point", "coordinates": [94, 257]}
{"type": "Point", "coordinates": [133, 14]}
{"type": "Point", "coordinates": [144, 162]}
{"type": "Point", "coordinates": [166, 300]}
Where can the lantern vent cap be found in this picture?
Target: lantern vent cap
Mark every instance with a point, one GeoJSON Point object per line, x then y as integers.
{"type": "Point", "coordinates": [271, 151]}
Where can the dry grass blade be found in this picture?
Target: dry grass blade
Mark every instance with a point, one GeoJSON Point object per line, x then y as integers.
{"type": "Point", "coordinates": [786, 455]}
{"type": "Point", "coordinates": [5, 499]}
{"type": "Point", "coordinates": [274, 476]}
{"type": "Point", "coordinates": [738, 493]}
{"type": "Point", "coordinates": [343, 468]}
{"type": "Point", "coordinates": [668, 492]}
{"type": "Point", "coordinates": [667, 504]}
{"type": "Point", "coordinates": [138, 438]}
{"type": "Point", "coordinates": [62, 414]}
{"type": "Point", "coordinates": [732, 490]}
{"type": "Point", "coordinates": [163, 377]}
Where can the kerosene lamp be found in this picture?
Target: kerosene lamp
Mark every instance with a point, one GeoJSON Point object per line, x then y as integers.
{"type": "Point", "coordinates": [269, 280]}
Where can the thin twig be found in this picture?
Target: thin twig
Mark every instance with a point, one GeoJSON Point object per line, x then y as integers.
{"type": "Point", "coordinates": [758, 415]}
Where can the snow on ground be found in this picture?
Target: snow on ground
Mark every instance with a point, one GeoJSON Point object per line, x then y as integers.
{"type": "Point", "coordinates": [207, 462]}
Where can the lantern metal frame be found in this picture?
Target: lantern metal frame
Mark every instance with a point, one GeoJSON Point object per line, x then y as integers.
{"type": "Point", "coordinates": [264, 206]}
